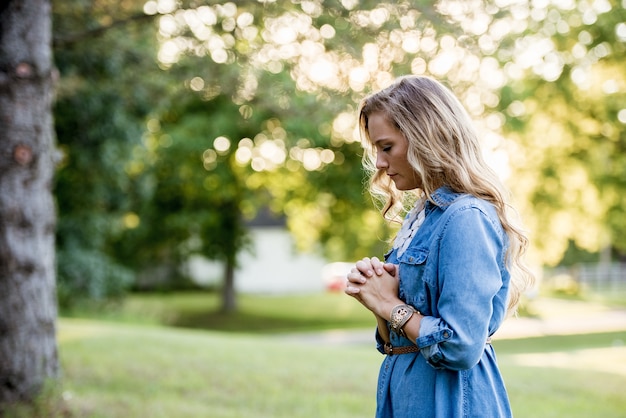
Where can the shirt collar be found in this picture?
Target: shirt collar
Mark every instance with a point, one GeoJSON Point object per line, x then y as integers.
{"type": "Point", "coordinates": [444, 196]}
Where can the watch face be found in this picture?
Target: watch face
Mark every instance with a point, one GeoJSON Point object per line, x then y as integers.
{"type": "Point", "coordinates": [401, 312]}
{"type": "Point", "coordinates": [399, 316]}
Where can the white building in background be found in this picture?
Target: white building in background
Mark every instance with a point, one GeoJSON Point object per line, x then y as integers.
{"type": "Point", "coordinates": [273, 266]}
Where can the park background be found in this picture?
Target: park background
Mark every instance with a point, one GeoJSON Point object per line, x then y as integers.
{"type": "Point", "coordinates": [189, 133]}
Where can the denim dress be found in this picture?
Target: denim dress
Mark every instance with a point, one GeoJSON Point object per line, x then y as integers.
{"type": "Point", "coordinates": [454, 273]}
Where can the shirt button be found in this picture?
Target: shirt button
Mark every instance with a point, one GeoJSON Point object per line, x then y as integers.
{"type": "Point", "coordinates": [411, 259]}
{"type": "Point", "coordinates": [446, 334]}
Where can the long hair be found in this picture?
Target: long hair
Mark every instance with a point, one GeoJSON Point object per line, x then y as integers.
{"type": "Point", "coordinates": [443, 148]}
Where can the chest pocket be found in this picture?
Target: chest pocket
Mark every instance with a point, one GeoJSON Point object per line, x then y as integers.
{"type": "Point", "coordinates": [413, 287]}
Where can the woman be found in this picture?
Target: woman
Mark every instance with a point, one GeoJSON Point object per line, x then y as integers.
{"type": "Point", "coordinates": [455, 267]}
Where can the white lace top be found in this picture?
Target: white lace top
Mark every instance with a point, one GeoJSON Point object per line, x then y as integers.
{"type": "Point", "coordinates": [410, 225]}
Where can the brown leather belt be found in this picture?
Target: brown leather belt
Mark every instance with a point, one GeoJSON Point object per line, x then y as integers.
{"type": "Point", "coordinates": [391, 350]}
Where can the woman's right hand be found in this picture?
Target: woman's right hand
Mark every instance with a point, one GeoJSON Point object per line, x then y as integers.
{"type": "Point", "coordinates": [365, 269]}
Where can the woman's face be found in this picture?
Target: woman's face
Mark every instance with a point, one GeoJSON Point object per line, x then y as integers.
{"type": "Point", "coordinates": [391, 152]}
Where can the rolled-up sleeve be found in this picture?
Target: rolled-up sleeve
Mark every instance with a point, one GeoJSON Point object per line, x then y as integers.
{"type": "Point", "coordinates": [469, 272]}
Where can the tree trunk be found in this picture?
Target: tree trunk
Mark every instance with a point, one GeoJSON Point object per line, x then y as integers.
{"type": "Point", "coordinates": [28, 350]}
{"type": "Point", "coordinates": [229, 301]}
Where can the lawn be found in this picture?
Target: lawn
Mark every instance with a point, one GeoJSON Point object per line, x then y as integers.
{"type": "Point", "coordinates": [128, 364]}
{"type": "Point", "coordinates": [123, 370]}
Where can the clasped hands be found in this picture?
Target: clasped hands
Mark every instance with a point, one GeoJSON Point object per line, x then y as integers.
{"type": "Point", "coordinates": [374, 284]}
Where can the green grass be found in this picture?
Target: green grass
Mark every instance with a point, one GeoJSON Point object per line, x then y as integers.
{"type": "Point", "coordinates": [553, 343]}
{"type": "Point", "coordinates": [113, 370]}
{"type": "Point", "coordinates": [615, 298]}
{"type": "Point", "coordinates": [125, 364]}
{"type": "Point", "coordinates": [124, 370]}
{"type": "Point", "coordinates": [565, 376]}
{"type": "Point", "coordinates": [548, 392]}
{"type": "Point", "coordinates": [611, 297]}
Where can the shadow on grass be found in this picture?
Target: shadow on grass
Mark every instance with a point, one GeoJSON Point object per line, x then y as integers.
{"type": "Point", "coordinates": [255, 314]}
{"type": "Point", "coordinates": [255, 323]}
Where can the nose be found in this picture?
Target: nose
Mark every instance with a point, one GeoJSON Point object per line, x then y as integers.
{"type": "Point", "coordinates": [381, 162]}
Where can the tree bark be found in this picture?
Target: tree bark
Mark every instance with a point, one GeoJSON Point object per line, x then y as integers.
{"type": "Point", "coordinates": [229, 298]}
{"type": "Point", "coordinates": [28, 350]}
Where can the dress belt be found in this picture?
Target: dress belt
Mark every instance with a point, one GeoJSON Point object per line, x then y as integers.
{"type": "Point", "coordinates": [391, 350]}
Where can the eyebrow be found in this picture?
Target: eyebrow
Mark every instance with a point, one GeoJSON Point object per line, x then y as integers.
{"type": "Point", "coordinates": [384, 138]}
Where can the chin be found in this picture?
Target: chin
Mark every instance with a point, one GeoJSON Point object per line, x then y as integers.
{"type": "Point", "coordinates": [407, 187]}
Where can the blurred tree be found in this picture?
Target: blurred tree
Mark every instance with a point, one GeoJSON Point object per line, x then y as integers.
{"type": "Point", "coordinates": [564, 109]}
{"type": "Point", "coordinates": [28, 350]}
{"type": "Point", "coordinates": [208, 186]}
{"type": "Point", "coordinates": [192, 211]}
{"type": "Point", "coordinates": [109, 83]}
{"type": "Point", "coordinates": [95, 230]}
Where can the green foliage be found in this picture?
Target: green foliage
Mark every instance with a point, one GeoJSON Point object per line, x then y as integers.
{"type": "Point", "coordinates": [144, 97]}
{"type": "Point", "coordinates": [107, 87]}
{"type": "Point", "coordinates": [566, 121]}
{"type": "Point", "coordinates": [574, 255]}
{"type": "Point", "coordinates": [89, 275]}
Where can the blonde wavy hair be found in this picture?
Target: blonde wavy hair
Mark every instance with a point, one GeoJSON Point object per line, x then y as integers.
{"type": "Point", "coordinates": [444, 150]}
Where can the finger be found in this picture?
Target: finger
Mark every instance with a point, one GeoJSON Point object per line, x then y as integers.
{"type": "Point", "coordinates": [355, 277]}
{"type": "Point", "coordinates": [390, 268]}
{"type": "Point", "coordinates": [351, 290]}
{"type": "Point", "coordinates": [365, 267]}
{"type": "Point", "coordinates": [355, 273]}
{"type": "Point", "coordinates": [377, 265]}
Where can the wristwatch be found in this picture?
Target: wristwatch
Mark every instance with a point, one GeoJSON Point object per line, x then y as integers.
{"type": "Point", "coordinates": [399, 316]}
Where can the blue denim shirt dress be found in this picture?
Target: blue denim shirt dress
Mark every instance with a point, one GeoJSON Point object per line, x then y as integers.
{"type": "Point", "coordinates": [454, 273]}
